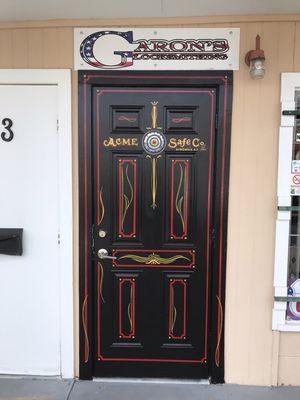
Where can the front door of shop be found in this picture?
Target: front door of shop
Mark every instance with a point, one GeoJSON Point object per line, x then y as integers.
{"type": "Point", "coordinates": [154, 276]}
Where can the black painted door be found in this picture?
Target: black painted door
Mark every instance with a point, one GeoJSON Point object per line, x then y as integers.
{"type": "Point", "coordinates": [153, 178]}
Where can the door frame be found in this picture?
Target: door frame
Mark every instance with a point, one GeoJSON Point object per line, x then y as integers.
{"type": "Point", "coordinates": [61, 78]}
{"type": "Point", "coordinates": [223, 82]}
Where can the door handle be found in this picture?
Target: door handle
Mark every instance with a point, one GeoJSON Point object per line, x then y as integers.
{"type": "Point", "coordinates": [103, 254]}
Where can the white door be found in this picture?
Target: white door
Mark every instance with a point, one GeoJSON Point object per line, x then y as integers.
{"type": "Point", "coordinates": [29, 284]}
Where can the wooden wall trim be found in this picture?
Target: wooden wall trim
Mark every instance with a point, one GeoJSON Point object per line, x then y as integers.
{"type": "Point", "coordinates": [148, 22]}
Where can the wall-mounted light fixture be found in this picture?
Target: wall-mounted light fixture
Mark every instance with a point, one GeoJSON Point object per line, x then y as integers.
{"type": "Point", "coordinates": [255, 59]}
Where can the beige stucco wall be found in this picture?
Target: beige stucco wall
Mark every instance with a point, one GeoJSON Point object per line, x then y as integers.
{"type": "Point", "coordinates": [253, 353]}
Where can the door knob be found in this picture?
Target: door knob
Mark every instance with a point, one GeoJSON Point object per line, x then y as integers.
{"type": "Point", "coordinates": [103, 253]}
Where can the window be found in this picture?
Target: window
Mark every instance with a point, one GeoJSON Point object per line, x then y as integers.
{"type": "Point", "coordinates": [293, 273]}
{"type": "Point", "coordinates": [286, 313]}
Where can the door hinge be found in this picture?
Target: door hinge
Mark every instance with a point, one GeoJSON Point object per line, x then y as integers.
{"type": "Point", "coordinates": [58, 238]}
{"type": "Point", "coordinates": [212, 235]}
{"type": "Point", "coordinates": [93, 239]}
{"type": "Point", "coordinates": [216, 121]}
{"type": "Point", "coordinates": [57, 126]}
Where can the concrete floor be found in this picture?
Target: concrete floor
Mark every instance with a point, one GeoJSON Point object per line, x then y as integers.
{"type": "Point", "coordinates": [57, 389]}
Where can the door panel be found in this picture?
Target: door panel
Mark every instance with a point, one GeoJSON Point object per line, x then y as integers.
{"type": "Point", "coordinates": [155, 208]}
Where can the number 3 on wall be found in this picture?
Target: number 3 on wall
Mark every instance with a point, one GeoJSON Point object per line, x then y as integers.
{"type": "Point", "coordinates": [8, 135]}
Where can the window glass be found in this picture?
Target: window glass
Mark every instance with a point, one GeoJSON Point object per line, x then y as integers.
{"type": "Point", "coordinates": [293, 279]}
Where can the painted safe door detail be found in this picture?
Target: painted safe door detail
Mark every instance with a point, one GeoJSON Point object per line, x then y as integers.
{"type": "Point", "coordinates": [154, 258]}
{"type": "Point", "coordinates": [152, 298]}
{"type": "Point", "coordinates": [178, 333]}
{"type": "Point", "coordinates": [179, 205]}
{"type": "Point", "coordinates": [126, 198]}
{"type": "Point", "coordinates": [177, 301]}
{"type": "Point", "coordinates": [126, 308]}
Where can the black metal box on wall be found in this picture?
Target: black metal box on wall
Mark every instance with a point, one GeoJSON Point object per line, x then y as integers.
{"type": "Point", "coordinates": [11, 241]}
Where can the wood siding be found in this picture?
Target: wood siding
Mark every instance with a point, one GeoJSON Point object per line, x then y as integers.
{"type": "Point", "coordinates": [253, 354]}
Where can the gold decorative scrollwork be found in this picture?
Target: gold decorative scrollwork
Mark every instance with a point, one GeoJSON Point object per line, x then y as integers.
{"type": "Point", "coordinates": [154, 259]}
{"type": "Point", "coordinates": [173, 308]}
{"type": "Point", "coordinates": [153, 161]}
{"type": "Point", "coordinates": [86, 337]}
{"type": "Point", "coordinates": [154, 114]}
{"type": "Point", "coordinates": [129, 309]}
{"type": "Point", "coordinates": [101, 207]}
{"type": "Point", "coordinates": [125, 118]}
{"type": "Point", "coordinates": [126, 201]}
{"type": "Point", "coordinates": [220, 325]}
{"type": "Point", "coordinates": [179, 200]}
{"type": "Point", "coordinates": [101, 281]}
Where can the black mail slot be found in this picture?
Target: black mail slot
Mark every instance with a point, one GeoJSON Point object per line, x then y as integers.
{"type": "Point", "coordinates": [11, 241]}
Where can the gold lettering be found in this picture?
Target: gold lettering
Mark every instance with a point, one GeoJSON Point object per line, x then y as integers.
{"type": "Point", "coordinates": [172, 143]}
{"type": "Point", "coordinates": [186, 144]}
{"type": "Point", "coordinates": [195, 142]}
{"type": "Point", "coordinates": [114, 142]}
{"type": "Point", "coordinates": [109, 142]}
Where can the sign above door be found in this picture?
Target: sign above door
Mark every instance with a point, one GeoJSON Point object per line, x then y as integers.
{"type": "Point", "coordinates": [156, 49]}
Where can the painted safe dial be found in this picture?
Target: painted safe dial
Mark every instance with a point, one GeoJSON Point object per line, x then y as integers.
{"type": "Point", "coordinates": [154, 142]}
